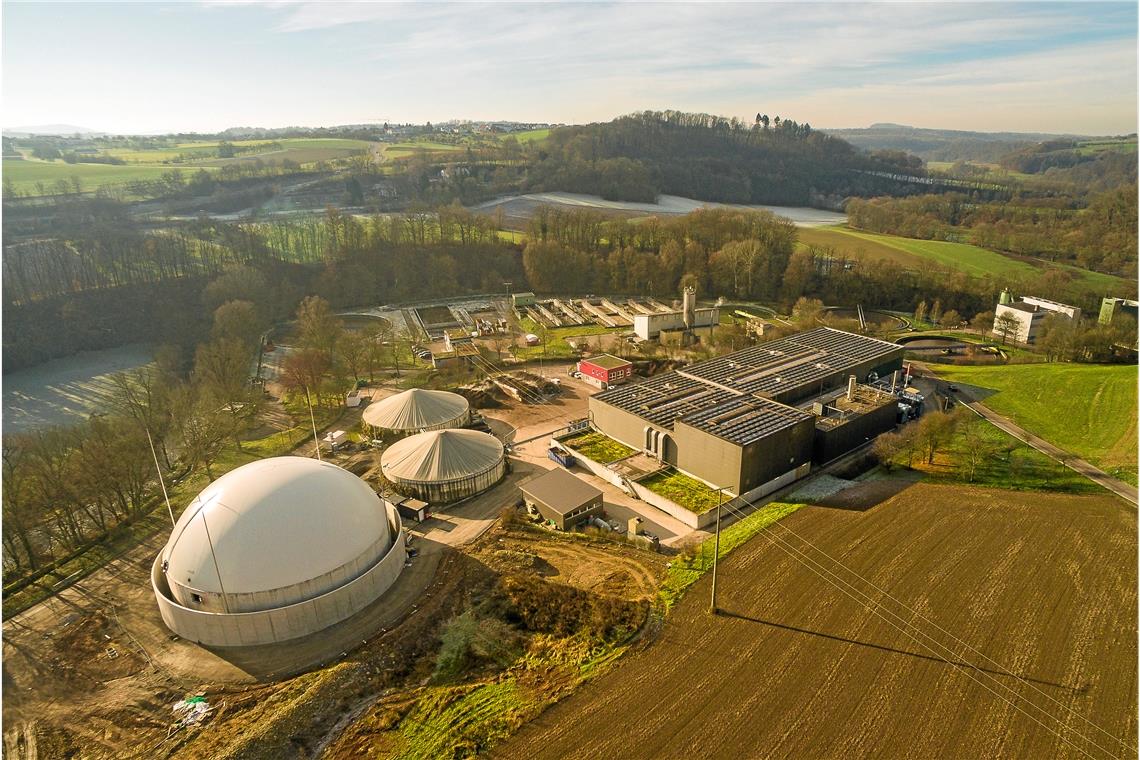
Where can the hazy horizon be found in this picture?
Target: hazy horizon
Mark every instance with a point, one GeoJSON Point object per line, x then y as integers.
{"type": "Point", "coordinates": [203, 67]}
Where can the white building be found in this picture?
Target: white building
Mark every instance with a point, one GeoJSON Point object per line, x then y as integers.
{"type": "Point", "coordinates": [1029, 313]}
{"type": "Point", "coordinates": [688, 319]}
{"type": "Point", "coordinates": [276, 550]}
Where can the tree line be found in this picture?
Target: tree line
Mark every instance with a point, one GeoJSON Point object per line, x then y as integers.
{"type": "Point", "coordinates": [711, 158]}
{"type": "Point", "coordinates": [1097, 234]}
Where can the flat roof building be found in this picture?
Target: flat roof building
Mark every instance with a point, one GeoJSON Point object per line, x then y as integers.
{"type": "Point", "coordinates": [562, 498]}
{"type": "Point", "coordinates": [605, 370]}
{"type": "Point", "coordinates": [730, 421]}
{"type": "Point", "coordinates": [1028, 315]}
{"type": "Point", "coordinates": [1111, 307]}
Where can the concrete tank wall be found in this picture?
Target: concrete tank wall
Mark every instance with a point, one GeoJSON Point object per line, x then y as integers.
{"type": "Point", "coordinates": [282, 623]}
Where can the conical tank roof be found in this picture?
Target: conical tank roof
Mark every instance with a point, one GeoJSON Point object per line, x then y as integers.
{"type": "Point", "coordinates": [441, 455]}
{"type": "Point", "coordinates": [417, 409]}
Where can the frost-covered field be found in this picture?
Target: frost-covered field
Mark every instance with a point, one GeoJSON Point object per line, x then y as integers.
{"type": "Point", "coordinates": [65, 390]}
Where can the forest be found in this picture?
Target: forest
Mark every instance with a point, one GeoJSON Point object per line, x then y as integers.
{"type": "Point", "coordinates": [767, 161]}
{"type": "Point", "coordinates": [1096, 232]}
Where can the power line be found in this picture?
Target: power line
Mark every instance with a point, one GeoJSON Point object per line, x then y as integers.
{"type": "Point", "coordinates": [965, 644]}
{"type": "Point", "coordinates": [870, 604]}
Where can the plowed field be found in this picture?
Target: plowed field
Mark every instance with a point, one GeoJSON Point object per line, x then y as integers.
{"type": "Point", "coordinates": [1043, 585]}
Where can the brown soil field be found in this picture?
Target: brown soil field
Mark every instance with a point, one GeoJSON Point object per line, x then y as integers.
{"type": "Point", "coordinates": [1042, 585]}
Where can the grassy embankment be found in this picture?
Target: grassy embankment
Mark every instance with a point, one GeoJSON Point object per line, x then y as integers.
{"type": "Point", "coordinates": [687, 570]}
{"type": "Point", "coordinates": [1089, 410]}
{"type": "Point", "coordinates": [911, 253]}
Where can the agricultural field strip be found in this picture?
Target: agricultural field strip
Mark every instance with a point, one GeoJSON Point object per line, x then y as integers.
{"type": "Point", "coordinates": [903, 625]}
{"type": "Point", "coordinates": [769, 667]}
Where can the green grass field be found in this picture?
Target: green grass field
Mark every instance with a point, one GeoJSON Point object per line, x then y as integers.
{"type": "Point", "coordinates": [151, 164]}
{"type": "Point", "coordinates": [1087, 409]}
{"type": "Point", "coordinates": [533, 135]}
{"type": "Point", "coordinates": [556, 345]}
{"type": "Point", "coordinates": [908, 252]}
{"type": "Point", "coordinates": [25, 174]}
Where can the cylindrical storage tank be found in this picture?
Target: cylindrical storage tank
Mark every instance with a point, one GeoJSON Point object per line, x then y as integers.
{"type": "Point", "coordinates": [276, 549]}
{"type": "Point", "coordinates": [418, 410]}
{"type": "Point", "coordinates": [442, 466]}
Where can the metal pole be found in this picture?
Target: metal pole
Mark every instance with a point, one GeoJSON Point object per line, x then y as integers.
{"type": "Point", "coordinates": [158, 469]}
{"type": "Point", "coordinates": [313, 420]}
{"type": "Point", "coordinates": [217, 569]}
{"type": "Point", "coordinates": [713, 609]}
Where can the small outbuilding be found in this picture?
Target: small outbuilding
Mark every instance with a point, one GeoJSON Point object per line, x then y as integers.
{"type": "Point", "coordinates": [605, 370]}
{"type": "Point", "coordinates": [562, 498]}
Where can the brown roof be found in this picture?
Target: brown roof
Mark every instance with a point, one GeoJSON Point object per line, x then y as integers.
{"type": "Point", "coordinates": [560, 490]}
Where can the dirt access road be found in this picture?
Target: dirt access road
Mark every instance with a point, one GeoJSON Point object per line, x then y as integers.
{"type": "Point", "coordinates": [1043, 584]}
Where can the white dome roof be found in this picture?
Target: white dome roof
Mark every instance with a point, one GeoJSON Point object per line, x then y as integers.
{"type": "Point", "coordinates": [416, 409]}
{"type": "Point", "coordinates": [273, 523]}
{"type": "Point", "coordinates": [441, 455]}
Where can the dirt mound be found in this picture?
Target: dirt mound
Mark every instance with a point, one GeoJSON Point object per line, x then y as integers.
{"type": "Point", "coordinates": [484, 395]}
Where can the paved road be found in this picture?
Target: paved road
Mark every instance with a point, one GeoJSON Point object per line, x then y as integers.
{"type": "Point", "coordinates": [1072, 461]}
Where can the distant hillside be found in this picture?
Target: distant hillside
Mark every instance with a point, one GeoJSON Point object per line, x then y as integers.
{"type": "Point", "coordinates": [51, 129]}
{"type": "Point", "coordinates": [711, 158]}
{"type": "Point", "coordinates": [942, 144]}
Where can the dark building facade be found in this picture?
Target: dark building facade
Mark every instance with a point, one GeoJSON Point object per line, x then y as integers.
{"type": "Point", "coordinates": [731, 422]}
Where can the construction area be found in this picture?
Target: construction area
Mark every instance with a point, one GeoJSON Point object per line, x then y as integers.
{"type": "Point", "coordinates": [95, 671]}
{"type": "Point", "coordinates": [507, 631]}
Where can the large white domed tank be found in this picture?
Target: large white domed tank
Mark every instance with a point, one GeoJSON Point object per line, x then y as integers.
{"type": "Point", "coordinates": [274, 550]}
{"type": "Point", "coordinates": [444, 465]}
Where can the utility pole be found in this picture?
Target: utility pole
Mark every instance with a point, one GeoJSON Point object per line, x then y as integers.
{"type": "Point", "coordinates": [713, 609]}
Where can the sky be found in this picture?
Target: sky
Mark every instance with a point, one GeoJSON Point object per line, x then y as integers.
{"type": "Point", "coordinates": [204, 66]}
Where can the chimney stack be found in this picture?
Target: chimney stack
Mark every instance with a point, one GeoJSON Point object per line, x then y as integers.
{"type": "Point", "coordinates": [851, 388]}
{"type": "Point", "coordinates": [688, 306]}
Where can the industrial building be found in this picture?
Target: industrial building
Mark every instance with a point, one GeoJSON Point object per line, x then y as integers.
{"type": "Point", "coordinates": [733, 421]}
{"type": "Point", "coordinates": [275, 550]}
{"type": "Point", "coordinates": [1030, 313]}
{"type": "Point", "coordinates": [605, 370]}
{"type": "Point", "coordinates": [680, 325]}
{"type": "Point", "coordinates": [442, 466]}
{"type": "Point", "coordinates": [1110, 308]}
{"type": "Point", "coordinates": [417, 410]}
{"type": "Point", "coordinates": [563, 499]}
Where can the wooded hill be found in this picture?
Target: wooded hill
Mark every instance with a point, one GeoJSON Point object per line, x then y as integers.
{"type": "Point", "coordinates": [712, 158]}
